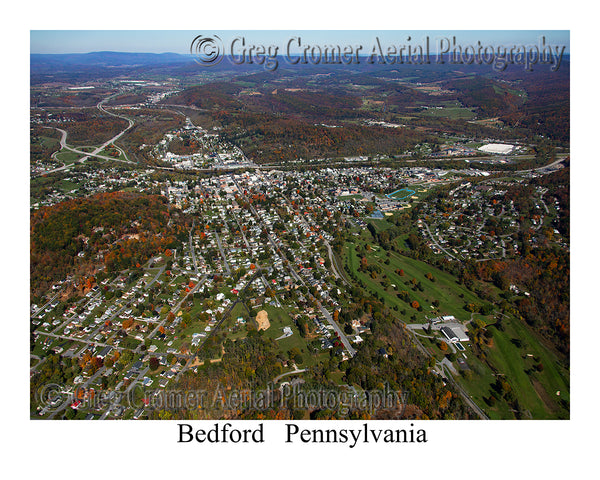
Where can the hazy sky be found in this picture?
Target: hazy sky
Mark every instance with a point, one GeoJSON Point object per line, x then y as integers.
{"type": "Point", "coordinates": [160, 41]}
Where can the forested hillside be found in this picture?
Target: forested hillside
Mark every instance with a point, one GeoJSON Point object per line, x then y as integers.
{"type": "Point", "coordinates": [115, 230]}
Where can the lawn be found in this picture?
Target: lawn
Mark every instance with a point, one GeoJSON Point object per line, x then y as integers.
{"type": "Point", "coordinates": [511, 362]}
{"type": "Point", "coordinates": [402, 194]}
{"type": "Point", "coordinates": [67, 185]}
{"type": "Point", "coordinates": [444, 289]}
{"type": "Point", "coordinates": [110, 149]}
{"type": "Point", "coordinates": [450, 112]}
{"type": "Point", "coordinates": [535, 391]}
{"type": "Point", "coordinates": [49, 142]}
{"type": "Point", "coordinates": [278, 318]}
{"type": "Point", "coordinates": [68, 157]}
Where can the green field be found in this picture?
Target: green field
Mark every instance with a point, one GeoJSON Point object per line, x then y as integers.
{"type": "Point", "coordinates": [514, 352]}
{"type": "Point", "coordinates": [67, 157]}
{"type": "Point", "coordinates": [450, 112]}
{"type": "Point", "coordinates": [536, 391]}
{"type": "Point", "coordinates": [279, 317]}
{"type": "Point", "coordinates": [49, 142]}
{"type": "Point", "coordinates": [502, 90]}
{"type": "Point", "coordinates": [106, 152]}
{"type": "Point", "coordinates": [67, 185]}
{"type": "Point", "coordinates": [444, 289]}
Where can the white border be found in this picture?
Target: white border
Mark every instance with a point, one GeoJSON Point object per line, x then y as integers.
{"type": "Point", "coordinates": [535, 449]}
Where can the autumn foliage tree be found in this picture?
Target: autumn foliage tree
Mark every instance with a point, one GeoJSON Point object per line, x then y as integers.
{"type": "Point", "coordinates": [153, 363]}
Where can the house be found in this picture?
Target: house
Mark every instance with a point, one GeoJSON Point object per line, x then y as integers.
{"type": "Point", "coordinates": [455, 334]}
{"type": "Point", "coordinates": [104, 352]}
{"type": "Point", "coordinates": [147, 381]}
{"type": "Point", "coordinates": [118, 410]}
{"type": "Point", "coordinates": [449, 334]}
{"type": "Point", "coordinates": [138, 413]}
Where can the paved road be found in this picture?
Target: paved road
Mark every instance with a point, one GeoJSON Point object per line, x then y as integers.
{"type": "Point", "coordinates": [86, 155]}
{"type": "Point", "coordinates": [69, 399]}
{"type": "Point", "coordinates": [95, 152]}
{"type": "Point", "coordinates": [279, 377]}
{"type": "Point", "coordinates": [175, 309]}
{"type": "Point", "coordinates": [224, 317]}
{"type": "Point", "coordinates": [35, 368]}
{"type": "Point", "coordinates": [80, 340]}
{"type": "Point", "coordinates": [241, 230]}
{"type": "Point", "coordinates": [121, 396]}
{"type": "Point", "coordinates": [337, 272]}
{"type": "Point", "coordinates": [193, 252]}
{"type": "Point", "coordinates": [225, 264]}
{"type": "Point", "coordinates": [338, 330]}
{"type": "Point", "coordinates": [555, 163]}
{"type": "Point", "coordinates": [74, 315]}
{"type": "Point", "coordinates": [44, 306]}
{"type": "Point", "coordinates": [466, 397]}
{"type": "Point", "coordinates": [156, 277]}
{"type": "Point", "coordinates": [436, 243]}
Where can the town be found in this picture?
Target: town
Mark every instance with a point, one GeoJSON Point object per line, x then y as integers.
{"type": "Point", "coordinates": [173, 248]}
{"type": "Point", "coordinates": [260, 246]}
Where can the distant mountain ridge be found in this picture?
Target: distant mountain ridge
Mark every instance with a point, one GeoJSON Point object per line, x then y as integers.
{"type": "Point", "coordinates": [107, 58]}
{"type": "Point", "coordinates": [119, 59]}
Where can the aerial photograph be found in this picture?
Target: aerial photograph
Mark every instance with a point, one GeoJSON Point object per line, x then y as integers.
{"type": "Point", "coordinates": [299, 225]}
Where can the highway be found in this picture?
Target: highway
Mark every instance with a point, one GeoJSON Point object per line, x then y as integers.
{"type": "Point", "coordinates": [97, 150]}
{"type": "Point", "coordinates": [551, 165]}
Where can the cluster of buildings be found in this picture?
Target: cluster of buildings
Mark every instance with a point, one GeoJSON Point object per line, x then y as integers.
{"type": "Point", "coordinates": [211, 152]}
